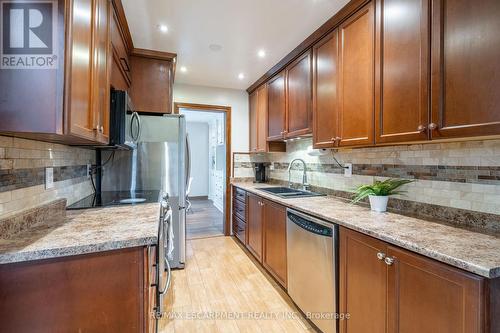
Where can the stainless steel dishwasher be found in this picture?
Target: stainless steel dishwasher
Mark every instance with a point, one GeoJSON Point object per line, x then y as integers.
{"type": "Point", "coordinates": [312, 247]}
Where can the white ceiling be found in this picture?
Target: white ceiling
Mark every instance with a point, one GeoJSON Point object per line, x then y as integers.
{"type": "Point", "coordinates": [240, 27]}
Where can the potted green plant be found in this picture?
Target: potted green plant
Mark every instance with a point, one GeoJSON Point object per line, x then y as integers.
{"type": "Point", "coordinates": [379, 192]}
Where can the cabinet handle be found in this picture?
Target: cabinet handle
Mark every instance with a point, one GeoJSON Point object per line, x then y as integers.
{"type": "Point", "coordinates": [433, 126]}
{"type": "Point", "coordinates": [126, 68]}
{"type": "Point", "coordinates": [380, 255]}
{"type": "Point", "coordinates": [421, 128]}
{"type": "Point", "coordinates": [389, 261]}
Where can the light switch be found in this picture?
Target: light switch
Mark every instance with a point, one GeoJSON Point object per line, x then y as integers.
{"type": "Point", "coordinates": [348, 170]}
{"type": "Point", "coordinates": [49, 178]}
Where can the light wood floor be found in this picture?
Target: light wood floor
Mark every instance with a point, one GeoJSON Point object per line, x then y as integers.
{"type": "Point", "coordinates": [204, 220]}
{"type": "Point", "coordinates": [220, 278]}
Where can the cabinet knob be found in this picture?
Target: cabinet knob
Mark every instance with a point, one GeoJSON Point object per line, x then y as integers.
{"type": "Point", "coordinates": [380, 255]}
{"type": "Point", "coordinates": [389, 261]}
{"type": "Point", "coordinates": [433, 126]}
{"type": "Point", "coordinates": [421, 128]}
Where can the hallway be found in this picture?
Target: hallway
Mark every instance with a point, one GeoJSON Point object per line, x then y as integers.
{"type": "Point", "coordinates": [203, 220]}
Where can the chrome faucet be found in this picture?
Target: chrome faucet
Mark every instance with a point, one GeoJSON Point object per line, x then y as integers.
{"type": "Point", "coordinates": [305, 185]}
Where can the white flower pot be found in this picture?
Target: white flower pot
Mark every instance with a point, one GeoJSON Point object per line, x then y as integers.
{"type": "Point", "coordinates": [378, 203]}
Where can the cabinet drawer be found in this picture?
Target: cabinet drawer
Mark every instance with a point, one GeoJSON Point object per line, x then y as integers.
{"type": "Point", "coordinates": [239, 228]}
{"type": "Point", "coordinates": [239, 209]}
{"type": "Point", "coordinates": [239, 194]}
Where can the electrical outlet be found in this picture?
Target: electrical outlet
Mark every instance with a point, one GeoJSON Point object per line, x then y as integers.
{"type": "Point", "coordinates": [89, 170]}
{"type": "Point", "coordinates": [49, 178]}
{"type": "Point", "coordinates": [348, 169]}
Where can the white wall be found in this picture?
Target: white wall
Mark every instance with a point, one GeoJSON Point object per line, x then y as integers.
{"type": "Point", "coordinates": [198, 143]}
{"type": "Point", "coordinates": [236, 99]}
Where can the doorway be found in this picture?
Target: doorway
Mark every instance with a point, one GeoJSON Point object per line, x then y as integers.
{"type": "Point", "coordinates": [209, 135]}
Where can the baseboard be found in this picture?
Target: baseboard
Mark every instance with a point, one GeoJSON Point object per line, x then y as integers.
{"type": "Point", "coordinates": [201, 197]}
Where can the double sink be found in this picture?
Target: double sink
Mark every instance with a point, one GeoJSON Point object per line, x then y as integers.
{"type": "Point", "coordinates": [287, 192]}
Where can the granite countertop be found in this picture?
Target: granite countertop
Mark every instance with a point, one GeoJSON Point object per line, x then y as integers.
{"type": "Point", "coordinates": [471, 251]}
{"type": "Point", "coordinates": [84, 231]}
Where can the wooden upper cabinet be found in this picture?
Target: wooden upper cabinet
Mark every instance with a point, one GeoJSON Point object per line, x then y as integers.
{"type": "Point", "coordinates": [363, 283]}
{"type": "Point", "coordinates": [88, 76]}
{"type": "Point", "coordinates": [449, 299]}
{"type": "Point", "coordinates": [102, 68]}
{"type": "Point", "coordinates": [262, 118]}
{"type": "Point", "coordinates": [152, 81]}
{"type": "Point", "coordinates": [275, 241]}
{"type": "Point", "coordinates": [298, 96]}
{"type": "Point", "coordinates": [255, 226]}
{"type": "Point", "coordinates": [465, 68]}
{"type": "Point", "coordinates": [276, 109]}
{"type": "Point", "coordinates": [120, 77]}
{"type": "Point", "coordinates": [258, 104]}
{"type": "Point", "coordinates": [253, 105]}
{"type": "Point", "coordinates": [402, 71]}
{"type": "Point", "coordinates": [82, 121]}
{"type": "Point", "coordinates": [356, 78]}
{"type": "Point", "coordinates": [68, 104]}
{"type": "Point", "coordinates": [325, 95]}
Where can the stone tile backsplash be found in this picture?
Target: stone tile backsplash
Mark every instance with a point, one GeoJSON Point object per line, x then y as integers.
{"type": "Point", "coordinates": [463, 175]}
{"type": "Point", "coordinates": [22, 173]}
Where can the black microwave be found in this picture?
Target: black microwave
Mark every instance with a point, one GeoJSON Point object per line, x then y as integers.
{"type": "Point", "coordinates": [124, 122]}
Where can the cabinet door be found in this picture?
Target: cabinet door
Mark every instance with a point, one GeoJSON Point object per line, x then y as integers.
{"type": "Point", "coordinates": [275, 240]}
{"type": "Point", "coordinates": [427, 296]}
{"type": "Point", "coordinates": [252, 100]}
{"type": "Point", "coordinates": [356, 74]}
{"type": "Point", "coordinates": [325, 97]}
{"type": "Point", "coordinates": [276, 109]}
{"type": "Point", "coordinates": [298, 96]}
{"type": "Point", "coordinates": [81, 120]}
{"type": "Point", "coordinates": [120, 53]}
{"type": "Point", "coordinates": [465, 68]}
{"type": "Point", "coordinates": [254, 226]}
{"type": "Point", "coordinates": [363, 283]}
{"type": "Point", "coordinates": [101, 69]}
{"type": "Point", "coordinates": [262, 118]}
{"type": "Point", "coordinates": [402, 67]}
{"type": "Point", "coordinates": [151, 84]}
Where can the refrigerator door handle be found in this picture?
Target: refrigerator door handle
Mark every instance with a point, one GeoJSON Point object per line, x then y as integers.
{"type": "Point", "coordinates": [188, 160]}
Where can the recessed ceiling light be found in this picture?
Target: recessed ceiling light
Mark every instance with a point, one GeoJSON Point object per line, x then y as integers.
{"type": "Point", "coordinates": [215, 47]}
{"type": "Point", "coordinates": [163, 28]}
{"type": "Point", "coordinates": [183, 69]}
{"type": "Point", "coordinates": [241, 76]}
{"type": "Point", "coordinates": [261, 53]}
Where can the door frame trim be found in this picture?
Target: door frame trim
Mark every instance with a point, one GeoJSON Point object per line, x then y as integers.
{"type": "Point", "coordinates": [227, 111]}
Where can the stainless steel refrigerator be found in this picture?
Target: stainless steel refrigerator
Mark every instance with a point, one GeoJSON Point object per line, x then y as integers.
{"type": "Point", "coordinates": [159, 162]}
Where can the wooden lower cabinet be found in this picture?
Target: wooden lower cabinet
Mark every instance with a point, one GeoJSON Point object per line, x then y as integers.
{"type": "Point", "coordinates": [387, 289]}
{"type": "Point", "coordinates": [266, 235]}
{"type": "Point", "coordinates": [363, 288]}
{"type": "Point", "coordinates": [274, 259]}
{"type": "Point", "coordinates": [255, 225]}
{"type": "Point", "coordinates": [449, 299]}
{"type": "Point", "coordinates": [239, 214]}
{"type": "Point", "coordinates": [99, 292]}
